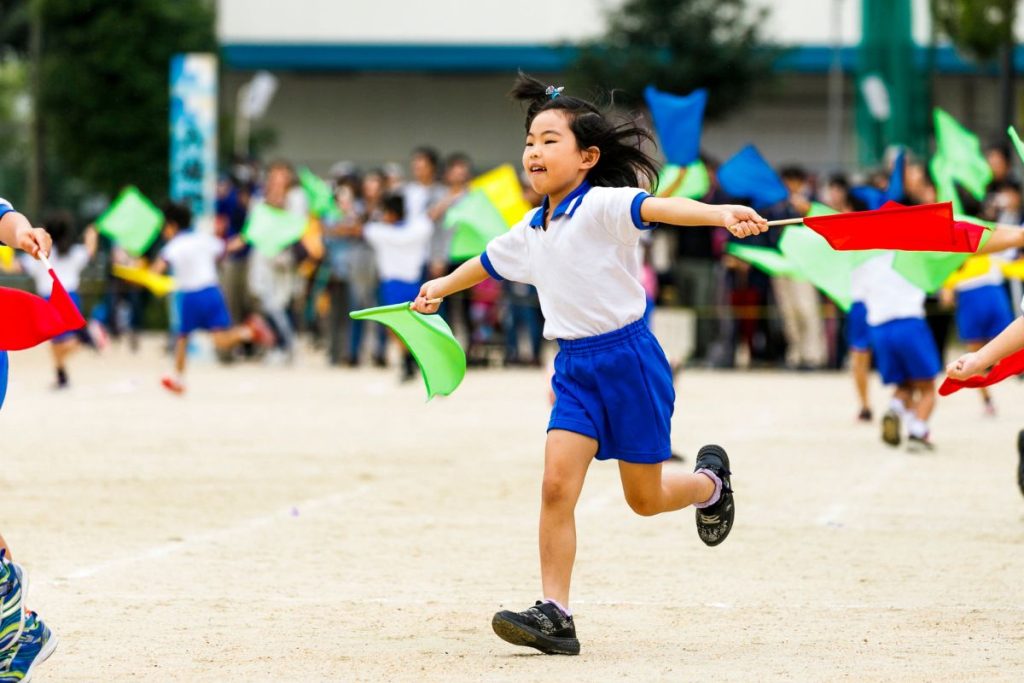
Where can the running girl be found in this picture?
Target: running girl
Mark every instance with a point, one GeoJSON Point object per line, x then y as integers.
{"type": "Point", "coordinates": [613, 385]}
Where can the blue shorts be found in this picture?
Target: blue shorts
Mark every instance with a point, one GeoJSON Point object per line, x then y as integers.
{"type": "Point", "coordinates": [73, 334]}
{"type": "Point", "coordinates": [982, 313]}
{"type": "Point", "coordinates": [203, 309]}
{"type": "Point", "coordinates": [616, 388]}
{"type": "Point", "coordinates": [397, 291]}
{"type": "Point", "coordinates": [858, 332]}
{"type": "Point", "coordinates": [905, 351]}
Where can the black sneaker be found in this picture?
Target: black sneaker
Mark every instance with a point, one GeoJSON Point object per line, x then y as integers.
{"type": "Point", "coordinates": [891, 428]}
{"type": "Point", "coordinates": [715, 522]}
{"type": "Point", "coordinates": [1020, 467]}
{"type": "Point", "coordinates": [864, 415]}
{"type": "Point", "coordinates": [543, 627]}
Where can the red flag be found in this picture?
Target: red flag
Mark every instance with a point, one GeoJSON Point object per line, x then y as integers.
{"type": "Point", "coordinates": [928, 227]}
{"type": "Point", "coordinates": [1007, 367]}
{"type": "Point", "coordinates": [27, 319]}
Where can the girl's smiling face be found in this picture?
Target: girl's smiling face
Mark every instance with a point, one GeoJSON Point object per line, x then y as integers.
{"type": "Point", "coordinates": [552, 159]}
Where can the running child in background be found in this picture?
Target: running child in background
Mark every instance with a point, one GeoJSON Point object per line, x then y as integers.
{"type": "Point", "coordinates": [904, 350]}
{"type": "Point", "coordinates": [192, 258]}
{"type": "Point", "coordinates": [400, 248]}
{"type": "Point", "coordinates": [613, 385]}
{"type": "Point", "coordinates": [983, 310]}
{"type": "Point", "coordinates": [25, 641]}
{"type": "Point", "coordinates": [68, 260]}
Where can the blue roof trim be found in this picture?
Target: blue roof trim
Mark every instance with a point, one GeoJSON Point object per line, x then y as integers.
{"type": "Point", "coordinates": [378, 57]}
{"type": "Point", "coordinates": [808, 59]}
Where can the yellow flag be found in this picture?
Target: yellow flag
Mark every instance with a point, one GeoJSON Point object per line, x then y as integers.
{"type": "Point", "coordinates": [160, 285]}
{"type": "Point", "coordinates": [1014, 270]}
{"type": "Point", "coordinates": [975, 266]}
{"type": "Point", "coordinates": [501, 185]}
{"type": "Point", "coordinates": [6, 257]}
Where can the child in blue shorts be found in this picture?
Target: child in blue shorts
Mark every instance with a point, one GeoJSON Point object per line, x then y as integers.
{"type": "Point", "coordinates": [613, 386]}
{"type": "Point", "coordinates": [904, 349]}
{"type": "Point", "coordinates": [400, 249]}
{"type": "Point", "coordinates": [25, 641]}
{"type": "Point", "coordinates": [192, 258]}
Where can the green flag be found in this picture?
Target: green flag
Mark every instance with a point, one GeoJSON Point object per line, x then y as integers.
{"type": "Point", "coordinates": [320, 196]}
{"type": "Point", "coordinates": [960, 154]}
{"type": "Point", "coordinates": [132, 221]}
{"type": "Point", "coordinates": [1017, 144]}
{"type": "Point", "coordinates": [696, 182]}
{"type": "Point", "coordinates": [945, 185]}
{"type": "Point", "coordinates": [930, 269]}
{"type": "Point", "coordinates": [827, 269]}
{"type": "Point", "coordinates": [770, 261]}
{"type": "Point", "coordinates": [475, 221]}
{"type": "Point", "coordinates": [429, 339]}
{"type": "Point", "coordinates": [272, 230]}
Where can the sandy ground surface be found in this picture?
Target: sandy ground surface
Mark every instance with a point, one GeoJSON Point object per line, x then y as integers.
{"type": "Point", "coordinates": [327, 525]}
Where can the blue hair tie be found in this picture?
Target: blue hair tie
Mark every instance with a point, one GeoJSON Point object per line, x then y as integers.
{"type": "Point", "coordinates": [553, 92]}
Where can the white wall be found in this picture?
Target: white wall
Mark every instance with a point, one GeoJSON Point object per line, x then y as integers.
{"type": "Point", "coordinates": [791, 22]}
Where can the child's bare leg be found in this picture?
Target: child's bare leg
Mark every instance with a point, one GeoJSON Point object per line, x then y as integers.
{"type": "Point", "coordinates": [860, 362]}
{"type": "Point", "coordinates": [225, 340]}
{"type": "Point", "coordinates": [567, 456]}
{"type": "Point", "coordinates": [925, 403]}
{"type": "Point", "coordinates": [649, 490]}
{"type": "Point", "coordinates": [180, 355]}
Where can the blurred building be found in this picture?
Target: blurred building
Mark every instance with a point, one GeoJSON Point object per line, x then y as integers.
{"type": "Point", "coordinates": [369, 80]}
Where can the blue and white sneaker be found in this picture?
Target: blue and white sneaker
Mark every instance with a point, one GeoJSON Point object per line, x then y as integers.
{"type": "Point", "coordinates": [13, 587]}
{"type": "Point", "coordinates": [33, 648]}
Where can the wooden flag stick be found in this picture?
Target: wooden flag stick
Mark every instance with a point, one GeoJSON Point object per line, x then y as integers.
{"type": "Point", "coordinates": [46, 261]}
{"type": "Point", "coordinates": [787, 221]}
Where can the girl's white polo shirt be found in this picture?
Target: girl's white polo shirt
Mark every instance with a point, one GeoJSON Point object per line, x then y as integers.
{"type": "Point", "coordinates": [585, 265]}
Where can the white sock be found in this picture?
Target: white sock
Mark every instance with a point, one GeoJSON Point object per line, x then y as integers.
{"type": "Point", "coordinates": [917, 428]}
{"type": "Point", "coordinates": [897, 407]}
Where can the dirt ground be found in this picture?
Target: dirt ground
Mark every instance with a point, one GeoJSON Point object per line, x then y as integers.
{"type": "Point", "coordinates": [310, 524]}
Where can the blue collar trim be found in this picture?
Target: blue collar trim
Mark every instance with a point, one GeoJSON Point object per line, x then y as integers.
{"type": "Point", "coordinates": [567, 207]}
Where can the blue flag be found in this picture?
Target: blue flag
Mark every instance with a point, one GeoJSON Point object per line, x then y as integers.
{"type": "Point", "coordinates": [3, 377]}
{"type": "Point", "coordinates": [748, 176]}
{"type": "Point", "coordinates": [678, 121]}
{"type": "Point", "coordinates": [896, 191]}
{"type": "Point", "coordinates": [869, 195]}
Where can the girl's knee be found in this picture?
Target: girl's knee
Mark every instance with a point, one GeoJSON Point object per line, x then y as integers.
{"type": "Point", "coordinates": [642, 504]}
{"type": "Point", "coordinates": [555, 493]}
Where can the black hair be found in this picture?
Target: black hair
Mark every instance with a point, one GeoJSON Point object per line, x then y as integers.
{"type": "Point", "coordinates": [456, 158]}
{"type": "Point", "coordinates": [793, 172]}
{"type": "Point", "coordinates": [622, 163]}
{"type": "Point", "coordinates": [393, 203]}
{"type": "Point", "coordinates": [428, 153]}
{"type": "Point", "coordinates": [1000, 148]}
{"type": "Point", "coordinates": [839, 180]}
{"type": "Point", "coordinates": [179, 214]}
{"type": "Point", "coordinates": [61, 226]}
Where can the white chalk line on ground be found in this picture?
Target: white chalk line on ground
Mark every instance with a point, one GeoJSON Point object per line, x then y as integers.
{"type": "Point", "coordinates": [833, 514]}
{"type": "Point", "coordinates": [214, 535]}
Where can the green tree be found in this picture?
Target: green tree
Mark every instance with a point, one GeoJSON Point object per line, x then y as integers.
{"type": "Point", "coordinates": [104, 84]}
{"type": "Point", "coordinates": [677, 46]}
{"type": "Point", "coordinates": [983, 31]}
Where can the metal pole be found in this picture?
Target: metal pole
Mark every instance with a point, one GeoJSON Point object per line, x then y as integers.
{"type": "Point", "coordinates": [241, 124]}
{"type": "Point", "coordinates": [835, 90]}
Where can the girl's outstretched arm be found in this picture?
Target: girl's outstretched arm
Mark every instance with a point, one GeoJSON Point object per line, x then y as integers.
{"type": "Point", "coordinates": [465, 276]}
{"type": "Point", "coordinates": [741, 221]}
{"type": "Point", "coordinates": [17, 232]}
{"type": "Point", "coordinates": [1006, 342]}
{"type": "Point", "coordinates": [1003, 237]}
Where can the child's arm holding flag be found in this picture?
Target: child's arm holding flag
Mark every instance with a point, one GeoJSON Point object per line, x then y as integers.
{"type": "Point", "coordinates": [741, 221]}
{"type": "Point", "coordinates": [1009, 341]}
{"type": "Point", "coordinates": [465, 276]}
{"type": "Point", "coordinates": [17, 232]}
